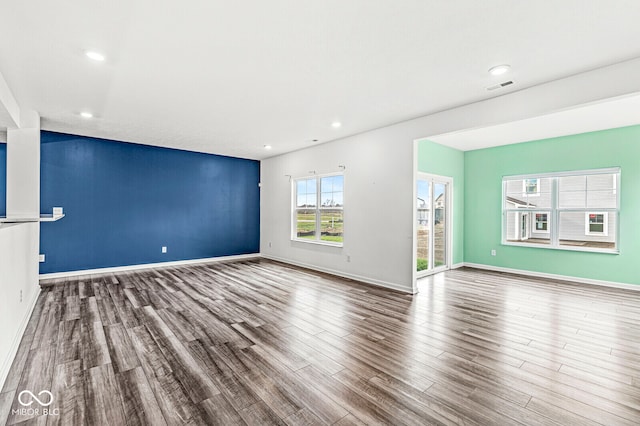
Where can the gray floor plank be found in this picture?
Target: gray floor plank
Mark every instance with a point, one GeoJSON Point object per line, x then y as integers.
{"type": "Point", "coordinates": [260, 342]}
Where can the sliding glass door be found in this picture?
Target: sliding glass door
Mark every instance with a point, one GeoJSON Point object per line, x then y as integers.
{"type": "Point", "coordinates": [432, 229]}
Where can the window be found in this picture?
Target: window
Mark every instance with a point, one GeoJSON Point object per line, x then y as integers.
{"type": "Point", "coordinates": [306, 208]}
{"type": "Point", "coordinates": [595, 223]}
{"type": "Point", "coordinates": [318, 213]}
{"type": "Point", "coordinates": [568, 210]}
{"type": "Point", "coordinates": [531, 187]}
{"type": "Point", "coordinates": [541, 223]}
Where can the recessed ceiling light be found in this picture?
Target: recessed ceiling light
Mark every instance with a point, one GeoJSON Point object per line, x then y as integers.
{"type": "Point", "coordinates": [86, 114]}
{"type": "Point", "coordinates": [95, 56]}
{"type": "Point", "coordinates": [267, 147]}
{"type": "Point", "coordinates": [336, 124]}
{"type": "Point", "coordinates": [499, 69]}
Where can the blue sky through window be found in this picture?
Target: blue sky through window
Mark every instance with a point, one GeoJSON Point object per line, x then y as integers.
{"type": "Point", "coordinates": [423, 191]}
{"type": "Point", "coordinates": [332, 191]}
{"type": "Point", "coordinates": [306, 193]}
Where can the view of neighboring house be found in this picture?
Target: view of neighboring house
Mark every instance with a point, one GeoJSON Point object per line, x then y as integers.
{"type": "Point", "coordinates": [439, 208]}
{"type": "Point", "coordinates": [423, 211]}
{"type": "Point", "coordinates": [584, 208]}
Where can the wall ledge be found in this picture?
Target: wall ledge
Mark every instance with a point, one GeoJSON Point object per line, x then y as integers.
{"type": "Point", "coordinates": [568, 278]}
{"type": "Point", "coordinates": [98, 271]}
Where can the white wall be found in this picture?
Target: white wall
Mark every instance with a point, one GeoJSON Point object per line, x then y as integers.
{"type": "Point", "coordinates": [377, 213]}
{"type": "Point", "coordinates": [18, 273]}
{"type": "Point", "coordinates": [23, 172]}
{"type": "Point", "coordinates": [20, 242]}
{"type": "Point", "coordinates": [379, 176]}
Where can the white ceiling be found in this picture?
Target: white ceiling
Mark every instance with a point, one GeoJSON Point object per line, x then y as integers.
{"type": "Point", "coordinates": [228, 77]}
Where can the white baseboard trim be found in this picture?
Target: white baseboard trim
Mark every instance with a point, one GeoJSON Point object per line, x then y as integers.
{"type": "Point", "coordinates": [112, 270]}
{"type": "Point", "coordinates": [602, 283]}
{"type": "Point", "coordinates": [8, 362]}
{"type": "Point", "coordinates": [425, 274]}
{"type": "Point", "coordinates": [367, 280]}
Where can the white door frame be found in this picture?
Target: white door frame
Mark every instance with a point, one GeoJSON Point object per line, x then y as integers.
{"type": "Point", "coordinates": [523, 226]}
{"type": "Point", "coordinates": [448, 181]}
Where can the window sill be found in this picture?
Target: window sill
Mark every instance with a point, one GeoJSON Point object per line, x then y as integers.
{"type": "Point", "coordinates": [320, 243]}
{"type": "Point", "coordinates": [564, 248]}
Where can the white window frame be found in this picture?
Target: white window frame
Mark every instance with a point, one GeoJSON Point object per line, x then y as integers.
{"type": "Point", "coordinates": [555, 210]}
{"type": "Point", "coordinates": [605, 224]}
{"type": "Point", "coordinates": [318, 208]}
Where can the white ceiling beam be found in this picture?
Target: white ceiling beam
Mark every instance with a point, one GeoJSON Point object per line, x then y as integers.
{"type": "Point", "coordinates": [614, 81]}
{"type": "Point", "coordinates": [9, 104]}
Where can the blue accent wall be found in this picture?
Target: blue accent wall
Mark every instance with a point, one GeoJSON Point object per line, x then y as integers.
{"type": "Point", "coordinates": [124, 201]}
{"type": "Point", "coordinates": [3, 179]}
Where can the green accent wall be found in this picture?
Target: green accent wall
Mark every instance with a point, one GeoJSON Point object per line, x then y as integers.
{"type": "Point", "coordinates": [483, 172]}
{"type": "Point", "coordinates": [440, 160]}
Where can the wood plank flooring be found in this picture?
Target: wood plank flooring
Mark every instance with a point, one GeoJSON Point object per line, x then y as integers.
{"type": "Point", "coordinates": [258, 342]}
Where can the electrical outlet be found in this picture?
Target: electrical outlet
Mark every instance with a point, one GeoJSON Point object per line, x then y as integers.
{"type": "Point", "coordinates": [164, 249]}
{"type": "Point", "coordinates": [348, 258]}
{"type": "Point", "coordinates": [493, 252]}
{"type": "Point", "coordinates": [41, 258]}
{"type": "Point", "coordinates": [269, 244]}
{"type": "Point", "coordinates": [20, 296]}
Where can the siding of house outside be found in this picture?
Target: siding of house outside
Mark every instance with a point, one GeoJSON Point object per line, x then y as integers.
{"type": "Point", "coordinates": [572, 225]}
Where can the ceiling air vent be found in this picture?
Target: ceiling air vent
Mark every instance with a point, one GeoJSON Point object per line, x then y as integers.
{"type": "Point", "coordinates": [501, 85]}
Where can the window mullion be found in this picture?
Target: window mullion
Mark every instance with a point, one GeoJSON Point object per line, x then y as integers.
{"type": "Point", "coordinates": [432, 227]}
{"type": "Point", "coordinates": [318, 211]}
{"type": "Point", "coordinates": [555, 229]}
{"type": "Point", "coordinates": [504, 213]}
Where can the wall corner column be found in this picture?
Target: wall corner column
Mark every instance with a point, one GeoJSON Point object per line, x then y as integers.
{"type": "Point", "coordinates": [23, 167]}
